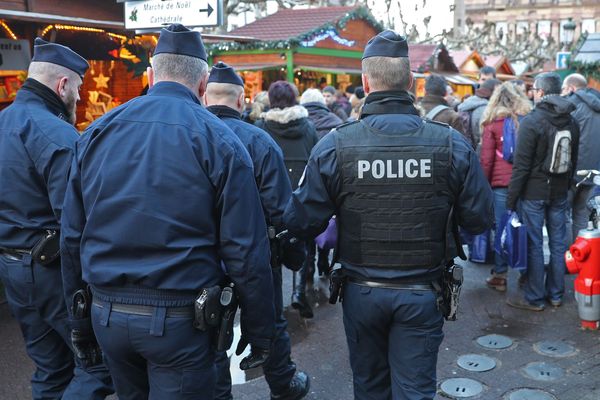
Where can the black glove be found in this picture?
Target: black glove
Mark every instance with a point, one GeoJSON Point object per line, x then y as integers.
{"type": "Point", "coordinates": [256, 358]}
{"type": "Point", "coordinates": [292, 251]}
{"type": "Point", "coordinates": [86, 346]}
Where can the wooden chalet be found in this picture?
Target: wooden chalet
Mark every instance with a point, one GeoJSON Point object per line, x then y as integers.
{"type": "Point", "coordinates": [469, 62]}
{"type": "Point", "coordinates": [309, 47]}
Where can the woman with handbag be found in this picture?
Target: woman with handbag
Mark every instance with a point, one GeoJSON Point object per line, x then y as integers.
{"type": "Point", "coordinates": [499, 124]}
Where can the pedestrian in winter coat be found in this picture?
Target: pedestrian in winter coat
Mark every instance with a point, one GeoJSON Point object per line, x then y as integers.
{"type": "Point", "coordinates": [471, 110]}
{"type": "Point", "coordinates": [331, 100]}
{"type": "Point", "coordinates": [587, 115]}
{"type": "Point", "coordinates": [435, 106]}
{"type": "Point", "coordinates": [541, 189]}
{"type": "Point", "coordinates": [288, 124]}
{"type": "Point", "coordinates": [323, 119]}
{"type": "Point", "coordinates": [506, 106]}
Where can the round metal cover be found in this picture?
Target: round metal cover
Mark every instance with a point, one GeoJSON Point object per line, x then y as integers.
{"type": "Point", "coordinates": [530, 394]}
{"type": "Point", "coordinates": [494, 342]}
{"type": "Point", "coordinates": [461, 387]}
{"type": "Point", "coordinates": [476, 363]}
{"type": "Point", "coordinates": [541, 371]}
{"type": "Point", "coordinates": [555, 349]}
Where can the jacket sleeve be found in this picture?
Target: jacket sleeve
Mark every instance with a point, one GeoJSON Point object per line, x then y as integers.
{"type": "Point", "coordinates": [53, 166]}
{"type": "Point", "coordinates": [243, 242]}
{"type": "Point", "coordinates": [524, 157]}
{"type": "Point", "coordinates": [488, 150]}
{"type": "Point", "coordinates": [312, 205]}
{"type": "Point", "coordinates": [274, 185]}
{"type": "Point", "coordinates": [72, 225]}
{"type": "Point", "coordinates": [474, 205]}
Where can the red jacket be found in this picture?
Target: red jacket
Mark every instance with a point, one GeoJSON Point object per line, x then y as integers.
{"type": "Point", "coordinates": [495, 168]}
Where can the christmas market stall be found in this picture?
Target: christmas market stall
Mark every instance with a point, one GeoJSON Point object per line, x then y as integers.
{"type": "Point", "coordinates": [309, 47]}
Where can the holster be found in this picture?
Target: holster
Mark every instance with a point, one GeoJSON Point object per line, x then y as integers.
{"type": "Point", "coordinates": [229, 304]}
{"type": "Point", "coordinates": [449, 291]}
{"type": "Point", "coordinates": [337, 281]}
{"type": "Point", "coordinates": [207, 309]}
{"type": "Point", "coordinates": [47, 249]}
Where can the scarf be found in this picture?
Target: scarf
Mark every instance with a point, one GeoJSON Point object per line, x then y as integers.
{"type": "Point", "coordinates": [53, 102]}
{"type": "Point", "coordinates": [389, 102]}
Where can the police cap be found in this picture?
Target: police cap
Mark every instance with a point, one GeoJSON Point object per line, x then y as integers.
{"type": "Point", "coordinates": [387, 44]}
{"type": "Point", "coordinates": [177, 39]}
{"type": "Point", "coordinates": [223, 73]}
{"type": "Point", "coordinates": [58, 54]}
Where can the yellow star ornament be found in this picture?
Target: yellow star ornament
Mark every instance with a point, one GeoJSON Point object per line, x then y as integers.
{"type": "Point", "coordinates": [101, 81]}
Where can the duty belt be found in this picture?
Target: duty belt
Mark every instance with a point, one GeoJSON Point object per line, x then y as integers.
{"type": "Point", "coordinates": [14, 254]}
{"type": "Point", "coordinates": [148, 311]}
{"type": "Point", "coordinates": [392, 285]}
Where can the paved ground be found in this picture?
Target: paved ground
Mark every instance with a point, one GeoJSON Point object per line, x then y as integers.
{"type": "Point", "coordinates": [319, 348]}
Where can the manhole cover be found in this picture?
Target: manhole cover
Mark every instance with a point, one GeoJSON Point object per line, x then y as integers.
{"type": "Point", "coordinates": [541, 371]}
{"type": "Point", "coordinates": [476, 363]}
{"type": "Point", "coordinates": [530, 394]}
{"type": "Point", "coordinates": [461, 387]}
{"type": "Point", "coordinates": [494, 341]}
{"type": "Point", "coordinates": [555, 349]}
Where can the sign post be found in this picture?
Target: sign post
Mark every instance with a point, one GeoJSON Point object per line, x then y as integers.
{"type": "Point", "coordinates": [154, 14]}
{"type": "Point", "coordinates": [562, 59]}
{"type": "Point", "coordinates": [14, 55]}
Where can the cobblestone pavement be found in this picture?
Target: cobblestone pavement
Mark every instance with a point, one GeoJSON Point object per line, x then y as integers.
{"type": "Point", "coordinates": [319, 348]}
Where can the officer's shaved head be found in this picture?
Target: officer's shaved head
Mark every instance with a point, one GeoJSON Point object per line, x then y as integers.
{"type": "Point", "coordinates": [189, 71]}
{"type": "Point", "coordinates": [387, 73]}
{"type": "Point", "coordinates": [224, 94]}
{"type": "Point", "coordinates": [578, 81]}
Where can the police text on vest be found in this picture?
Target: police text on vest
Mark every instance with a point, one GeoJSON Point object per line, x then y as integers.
{"type": "Point", "coordinates": [410, 168]}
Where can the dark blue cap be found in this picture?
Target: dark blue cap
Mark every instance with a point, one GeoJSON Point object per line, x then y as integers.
{"type": "Point", "coordinates": [386, 44]}
{"type": "Point", "coordinates": [58, 54]}
{"type": "Point", "coordinates": [177, 39]}
{"type": "Point", "coordinates": [223, 73]}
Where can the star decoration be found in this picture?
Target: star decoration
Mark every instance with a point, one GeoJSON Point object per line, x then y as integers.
{"type": "Point", "coordinates": [101, 81]}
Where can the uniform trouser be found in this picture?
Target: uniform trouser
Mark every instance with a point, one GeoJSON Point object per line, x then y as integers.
{"type": "Point", "coordinates": [35, 297]}
{"type": "Point", "coordinates": [279, 369]}
{"type": "Point", "coordinates": [580, 214]}
{"type": "Point", "coordinates": [393, 339]}
{"type": "Point", "coordinates": [155, 357]}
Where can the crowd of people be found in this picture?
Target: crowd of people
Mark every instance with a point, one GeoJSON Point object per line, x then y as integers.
{"type": "Point", "coordinates": [185, 194]}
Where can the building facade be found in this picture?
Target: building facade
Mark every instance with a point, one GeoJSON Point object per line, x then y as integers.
{"type": "Point", "coordinates": [545, 18]}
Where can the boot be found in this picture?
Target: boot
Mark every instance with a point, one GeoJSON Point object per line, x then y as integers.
{"type": "Point", "coordinates": [497, 281]}
{"type": "Point", "coordinates": [298, 388]}
{"type": "Point", "coordinates": [323, 263]}
{"type": "Point", "coordinates": [300, 303]}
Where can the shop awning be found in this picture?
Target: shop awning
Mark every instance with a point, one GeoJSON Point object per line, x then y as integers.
{"type": "Point", "coordinates": [328, 70]}
{"type": "Point", "coordinates": [254, 67]}
{"type": "Point", "coordinates": [60, 19]}
{"type": "Point", "coordinates": [458, 79]}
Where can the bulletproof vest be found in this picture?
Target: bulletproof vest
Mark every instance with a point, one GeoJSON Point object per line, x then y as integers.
{"type": "Point", "coordinates": [396, 197]}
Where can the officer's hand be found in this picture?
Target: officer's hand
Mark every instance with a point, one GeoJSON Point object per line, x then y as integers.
{"type": "Point", "coordinates": [256, 358]}
{"type": "Point", "coordinates": [86, 347]}
{"type": "Point", "coordinates": [292, 250]}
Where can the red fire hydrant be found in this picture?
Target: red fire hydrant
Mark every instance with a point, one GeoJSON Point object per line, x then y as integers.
{"type": "Point", "coordinates": [583, 258]}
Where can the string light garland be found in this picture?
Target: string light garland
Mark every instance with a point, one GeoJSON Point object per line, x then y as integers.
{"type": "Point", "coordinates": [47, 29]}
{"type": "Point", "coordinates": [60, 27]}
{"type": "Point", "coordinates": [8, 30]}
{"type": "Point", "coordinates": [359, 13]}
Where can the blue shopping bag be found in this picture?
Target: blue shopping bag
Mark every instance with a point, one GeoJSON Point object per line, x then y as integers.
{"type": "Point", "coordinates": [511, 241]}
{"type": "Point", "coordinates": [480, 248]}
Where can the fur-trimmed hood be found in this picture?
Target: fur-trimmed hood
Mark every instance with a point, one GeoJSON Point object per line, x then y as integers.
{"type": "Point", "coordinates": [283, 116]}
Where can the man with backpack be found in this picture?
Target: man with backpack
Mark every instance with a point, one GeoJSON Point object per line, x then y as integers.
{"type": "Point", "coordinates": [544, 164]}
{"type": "Point", "coordinates": [471, 110]}
{"type": "Point", "coordinates": [436, 108]}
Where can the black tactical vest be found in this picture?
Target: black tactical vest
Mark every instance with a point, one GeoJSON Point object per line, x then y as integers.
{"type": "Point", "coordinates": [396, 197]}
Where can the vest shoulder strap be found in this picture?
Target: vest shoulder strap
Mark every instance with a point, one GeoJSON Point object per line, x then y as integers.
{"type": "Point", "coordinates": [435, 111]}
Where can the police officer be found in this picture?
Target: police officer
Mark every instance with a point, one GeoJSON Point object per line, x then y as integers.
{"type": "Point", "coordinates": [391, 178]}
{"type": "Point", "coordinates": [224, 97]}
{"type": "Point", "coordinates": [37, 139]}
{"type": "Point", "coordinates": [158, 199]}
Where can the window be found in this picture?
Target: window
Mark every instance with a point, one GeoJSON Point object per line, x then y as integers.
{"type": "Point", "coordinates": [502, 31]}
{"type": "Point", "coordinates": [544, 29]}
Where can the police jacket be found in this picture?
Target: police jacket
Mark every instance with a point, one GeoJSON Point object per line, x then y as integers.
{"type": "Point", "coordinates": [391, 179]}
{"type": "Point", "coordinates": [587, 115]}
{"type": "Point", "coordinates": [269, 169]}
{"type": "Point", "coordinates": [36, 148]}
{"type": "Point", "coordinates": [529, 180]}
{"type": "Point", "coordinates": [160, 195]}
{"type": "Point", "coordinates": [295, 135]}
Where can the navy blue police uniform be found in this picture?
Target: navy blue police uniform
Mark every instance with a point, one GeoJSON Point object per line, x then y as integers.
{"type": "Point", "coordinates": [275, 191]}
{"type": "Point", "coordinates": [392, 178]}
{"type": "Point", "coordinates": [159, 208]}
{"type": "Point", "coordinates": [36, 148]}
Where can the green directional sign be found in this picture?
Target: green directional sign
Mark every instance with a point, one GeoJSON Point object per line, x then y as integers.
{"type": "Point", "coordinates": [149, 14]}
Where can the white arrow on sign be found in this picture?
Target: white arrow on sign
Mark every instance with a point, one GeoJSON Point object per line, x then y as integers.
{"type": "Point", "coordinates": [148, 14]}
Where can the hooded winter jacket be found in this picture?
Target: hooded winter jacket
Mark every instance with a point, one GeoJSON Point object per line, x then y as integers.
{"type": "Point", "coordinates": [323, 119]}
{"type": "Point", "coordinates": [529, 181]}
{"type": "Point", "coordinates": [294, 133]}
{"type": "Point", "coordinates": [587, 115]}
{"type": "Point", "coordinates": [474, 105]}
{"type": "Point", "coordinates": [447, 116]}
{"type": "Point", "coordinates": [496, 169]}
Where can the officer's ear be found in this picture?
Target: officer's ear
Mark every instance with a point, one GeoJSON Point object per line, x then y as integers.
{"type": "Point", "coordinates": [61, 88]}
{"type": "Point", "coordinates": [365, 83]}
{"type": "Point", "coordinates": [412, 81]}
{"type": "Point", "coordinates": [150, 73]}
{"type": "Point", "coordinates": [240, 101]}
{"type": "Point", "coordinates": [202, 86]}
